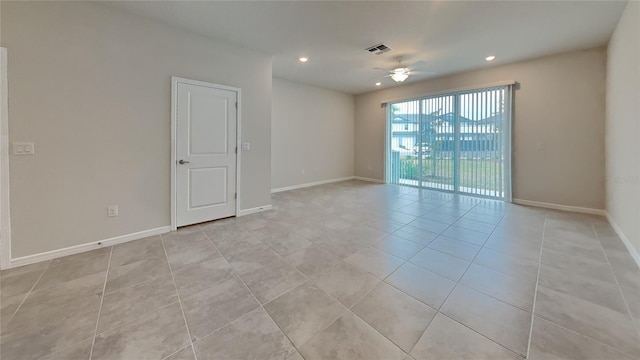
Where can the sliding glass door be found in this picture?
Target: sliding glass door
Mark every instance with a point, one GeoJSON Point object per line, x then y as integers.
{"type": "Point", "coordinates": [457, 142]}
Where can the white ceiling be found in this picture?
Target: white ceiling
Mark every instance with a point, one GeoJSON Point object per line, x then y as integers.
{"type": "Point", "coordinates": [451, 36]}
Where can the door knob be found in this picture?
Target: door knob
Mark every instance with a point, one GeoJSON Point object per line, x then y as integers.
{"type": "Point", "coordinates": [182, 162]}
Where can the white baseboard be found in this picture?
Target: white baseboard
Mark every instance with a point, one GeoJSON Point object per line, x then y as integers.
{"type": "Point", "coordinates": [632, 250]}
{"type": "Point", "coordinates": [254, 210]}
{"type": "Point", "coordinates": [370, 179]}
{"type": "Point", "coordinates": [315, 183]}
{"type": "Point", "coordinates": [560, 207]}
{"type": "Point", "coordinates": [48, 255]}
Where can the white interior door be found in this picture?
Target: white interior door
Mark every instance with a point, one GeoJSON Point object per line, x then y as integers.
{"type": "Point", "coordinates": [205, 153]}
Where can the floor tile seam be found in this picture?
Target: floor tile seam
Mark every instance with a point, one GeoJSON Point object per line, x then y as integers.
{"type": "Point", "coordinates": [468, 229]}
{"type": "Point", "coordinates": [502, 271]}
{"type": "Point", "coordinates": [364, 295]}
{"type": "Point", "coordinates": [535, 294]}
{"type": "Point", "coordinates": [344, 308]}
{"type": "Point", "coordinates": [498, 271]}
{"type": "Point", "coordinates": [28, 293]}
{"type": "Point", "coordinates": [66, 348]}
{"type": "Point", "coordinates": [403, 238]}
{"type": "Point", "coordinates": [387, 252]}
{"type": "Point", "coordinates": [457, 282]}
{"type": "Point", "coordinates": [615, 277]}
{"type": "Point", "coordinates": [143, 282]}
{"type": "Point", "coordinates": [452, 255]}
{"type": "Point", "coordinates": [84, 259]}
{"type": "Point", "coordinates": [432, 271]}
{"type": "Point", "coordinates": [203, 239]}
{"type": "Point", "coordinates": [104, 288]}
{"type": "Point", "coordinates": [480, 221]}
{"type": "Point", "coordinates": [146, 258]}
{"type": "Point", "coordinates": [135, 318]}
{"type": "Point", "coordinates": [476, 332]}
{"type": "Point", "coordinates": [405, 293]}
{"type": "Point", "coordinates": [175, 352]}
{"type": "Point", "coordinates": [386, 233]}
{"type": "Point", "coordinates": [279, 256]}
{"type": "Point", "coordinates": [615, 349]}
{"type": "Point", "coordinates": [359, 318]}
{"type": "Point", "coordinates": [342, 312]}
{"type": "Point", "coordinates": [493, 297]}
{"type": "Point", "coordinates": [386, 337]}
{"type": "Point", "coordinates": [260, 305]}
{"type": "Point", "coordinates": [424, 269]}
{"type": "Point", "coordinates": [505, 252]}
{"type": "Point", "coordinates": [184, 316]}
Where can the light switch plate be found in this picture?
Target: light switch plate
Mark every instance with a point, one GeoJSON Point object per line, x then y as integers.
{"type": "Point", "coordinates": [24, 148]}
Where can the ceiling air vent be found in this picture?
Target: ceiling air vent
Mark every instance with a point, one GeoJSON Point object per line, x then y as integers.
{"type": "Point", "coordinates": [379, 49]}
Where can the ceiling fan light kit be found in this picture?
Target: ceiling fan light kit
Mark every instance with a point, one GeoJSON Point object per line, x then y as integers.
{"type": "Point", "coordinates": [400, 74]}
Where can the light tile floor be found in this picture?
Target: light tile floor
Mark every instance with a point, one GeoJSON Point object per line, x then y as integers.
{"type": "Point", "coordinates": [349, 270]}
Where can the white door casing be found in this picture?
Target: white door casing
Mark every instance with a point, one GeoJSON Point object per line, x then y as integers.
{"type": "Point", "coordinates": [5, 221]}
{"type": "Point", "coordinates": [205, 158]}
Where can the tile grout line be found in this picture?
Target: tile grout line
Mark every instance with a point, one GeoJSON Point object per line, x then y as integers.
{"type": "Point", "coordinates": [615, 277]}
{"type": "Point", "coordinates": [184, 317]}
{"type": "Point", "coordinates": [450, 291]}
{"type": "Point", "coordinates": [309, 280]}
{"type": "Point", "coordinates": [445, 299]}
{"type": "Point", "coordinates": [438, 311]}
{"type": "Point", "coordinates": [459, 283]}
{"type": "Point", "coordinates": [260, 305]}
{"type": "Point", "coordinates": [173, 353]}
{"type": "Point", "coordinates": [29, 292]}
{"type": "Point", "coordinates": [535, 293]}
{"type": "Point", "coordinates": [104, 289]}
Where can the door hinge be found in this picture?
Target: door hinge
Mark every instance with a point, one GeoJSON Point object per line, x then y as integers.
{"type": "Point", "coordinates": [236, 149]}
{"type": "Point", "coordinates": [236, 105]}
{"type": "Point", "coordinates": [235, 196]}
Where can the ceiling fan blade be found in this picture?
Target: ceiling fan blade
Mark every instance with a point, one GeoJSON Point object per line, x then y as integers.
{"type": "Point", "coordinates": [377, 68]}
{"type": "Point", "coordinates": [422, 72]}
{"type": "Point", "coordinates": [382, 77]}
{"type": "Point", "coordinates": [417, 64]}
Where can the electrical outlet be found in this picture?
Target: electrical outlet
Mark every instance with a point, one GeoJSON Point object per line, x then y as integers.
{"type": "Point", "coordinates": [24, 148]}
{"type": "Point", "coordinates": [246, 146]}
{"type": "Point", "coordinates": [112, 210]}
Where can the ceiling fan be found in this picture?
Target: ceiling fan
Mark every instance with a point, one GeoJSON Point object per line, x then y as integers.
{"type": "Point", "coordinates": [401, 73]}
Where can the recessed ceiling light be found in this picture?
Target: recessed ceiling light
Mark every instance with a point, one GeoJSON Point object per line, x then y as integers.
{"type": "Point", "coordinates": [378, 83]}
{"type": "Point", "coordinates": [304, 59]}
{"type": "Point", "coordinates": [489, 58]}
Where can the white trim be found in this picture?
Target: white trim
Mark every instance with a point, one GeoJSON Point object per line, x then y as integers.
{"type": "Point", "coordinates": [315, 183]}
{"type": "Point", "coordinates": [53, 254]}
{"type": "Point", "coordinates": [570, 208]}
{"type": "Point", "coordinates": [632, 250]}
{"type": "Point", "coordinates": [369, 179]}
{"type": "Point", "coordinates": [5, 219]}
{"type": "Point", "coordinates": [465, 88]}
{"type": "Point", "coordinates": [174, 123]}
{"type": "Point", "coordinates": [255, 210]}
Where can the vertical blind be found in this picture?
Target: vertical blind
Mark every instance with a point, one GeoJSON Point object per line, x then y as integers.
{"type": "Point", "coordinates": [458, 142]}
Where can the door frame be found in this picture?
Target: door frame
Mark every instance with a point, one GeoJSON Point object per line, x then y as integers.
{"type": "Point", "coordinates": [5, 215]}
{"type": "Point", "coordinates": [174, 127]}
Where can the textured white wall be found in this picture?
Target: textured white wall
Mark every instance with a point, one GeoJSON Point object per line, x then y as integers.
{"type": "Point", "coordinates": [312, 131]}
{"type": "Point", "coordinates": [623, 125]}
